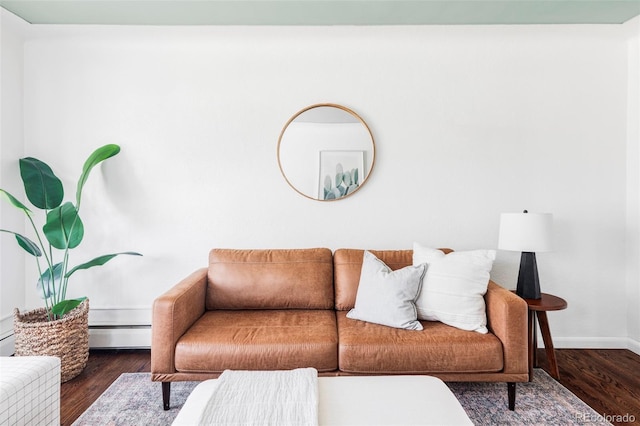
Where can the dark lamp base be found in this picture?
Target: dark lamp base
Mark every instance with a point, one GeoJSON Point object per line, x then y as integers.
{"type": "Point", "coordinates": [528, 282]}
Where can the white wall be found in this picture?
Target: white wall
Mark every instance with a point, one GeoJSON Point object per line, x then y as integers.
{"type": "Point", "coordinates": [12, 261]}
{"type": "Point", "coordinates": [469, 122]}
{"type": "Point", "coordinates": [633, 185]}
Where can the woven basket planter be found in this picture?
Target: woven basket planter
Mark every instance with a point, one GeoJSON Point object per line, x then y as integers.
{"type": "Point", "coordinates": [67, 338]}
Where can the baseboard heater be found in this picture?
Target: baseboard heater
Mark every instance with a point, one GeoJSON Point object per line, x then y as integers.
{"type": "Point", "coordinates": [120, 336]}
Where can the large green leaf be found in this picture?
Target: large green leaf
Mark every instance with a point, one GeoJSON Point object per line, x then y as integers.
{"type": "Point", "coordinates": [65, 306]}
{"type": "Point", "coordinates": [48, 281]}
{"type": "Point", "coordinates": [43, 188]}
{"type": "Point", "coordinates": [13, 200]}
{"type": "Point", "coordinates": [64, 227]}
{"type": "Point", "coordinates": [24, 242]}
{"type": "Point", "coordinates": [98, 261]}
{"type": "Point", "coordinates": [94, 159]}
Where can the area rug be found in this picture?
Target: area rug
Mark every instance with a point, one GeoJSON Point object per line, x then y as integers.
{"type": "Point", "coordinates": [133, 399]}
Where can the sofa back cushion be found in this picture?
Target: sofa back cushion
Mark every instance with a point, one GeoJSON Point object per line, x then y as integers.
{"type": "Point", "coordinates": [270, 279]}
{"type": "Point", "coordinates": [347, 264]}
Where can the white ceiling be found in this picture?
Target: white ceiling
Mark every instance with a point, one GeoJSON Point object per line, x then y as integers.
{"type": "Point", "coordinates": [323, 12]}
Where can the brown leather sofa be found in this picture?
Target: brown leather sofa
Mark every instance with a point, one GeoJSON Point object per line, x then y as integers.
{"type": "Point", "coordinates": [285, 309]}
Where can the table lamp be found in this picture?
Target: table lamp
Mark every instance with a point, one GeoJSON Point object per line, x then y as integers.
{"type": "Point", "coordinates": [528, 233]}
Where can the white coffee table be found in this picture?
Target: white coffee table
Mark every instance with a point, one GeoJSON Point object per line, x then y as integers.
{"type": "Point", "coordinates": [364, 400]}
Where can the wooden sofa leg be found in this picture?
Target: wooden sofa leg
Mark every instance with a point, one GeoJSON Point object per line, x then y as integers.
{"type": "Point", "coordinates": [511, 387]}
{"type": "Point", "coordinates": [166, 395]}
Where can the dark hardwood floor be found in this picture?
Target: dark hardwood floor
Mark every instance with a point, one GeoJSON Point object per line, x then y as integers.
{"type": "Point", "coordinates": [103, 368]}
{"type": "Point", "coordinates": [606, 379]}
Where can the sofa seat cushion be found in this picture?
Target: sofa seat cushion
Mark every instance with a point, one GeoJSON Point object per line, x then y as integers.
{"type": "Point", "coordinates": [439, 348]}
{"type": "Point", "coordinates": [259, 340]}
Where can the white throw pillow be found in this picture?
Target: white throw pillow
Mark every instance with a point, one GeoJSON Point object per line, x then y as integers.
{"type": "Point", "coordinates": [454, 286]}
{"type": "Point", "coordinates": [388, 297]}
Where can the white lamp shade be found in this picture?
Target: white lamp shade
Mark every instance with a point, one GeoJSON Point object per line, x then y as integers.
{"type": "Point", "coordinates": [530, 232]}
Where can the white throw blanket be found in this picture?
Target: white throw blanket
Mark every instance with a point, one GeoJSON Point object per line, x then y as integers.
{"type": "Point", "coordinates": [276, 398]}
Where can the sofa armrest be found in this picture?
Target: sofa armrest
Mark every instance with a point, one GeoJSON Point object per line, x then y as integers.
{"type": "Point", "coordinates": [174, 312]}
{"type": "Point", "coordinates": [507, 319]}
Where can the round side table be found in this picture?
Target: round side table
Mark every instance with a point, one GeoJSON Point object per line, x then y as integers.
{"type": "Point", "coordinates": [538, 308]}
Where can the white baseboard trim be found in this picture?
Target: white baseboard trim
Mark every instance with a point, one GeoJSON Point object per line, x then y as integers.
{"type": "Point", "coordinates": [634, 346]}
{"type": "Point", "coordinates": [594, 343]}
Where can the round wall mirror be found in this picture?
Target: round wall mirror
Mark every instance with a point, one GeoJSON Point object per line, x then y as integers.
{"type": "Point", "coordinates": [326, 152]}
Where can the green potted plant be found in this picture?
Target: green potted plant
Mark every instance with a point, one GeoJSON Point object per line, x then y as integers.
{"type": "Point", "coordinates": [61, 327]}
